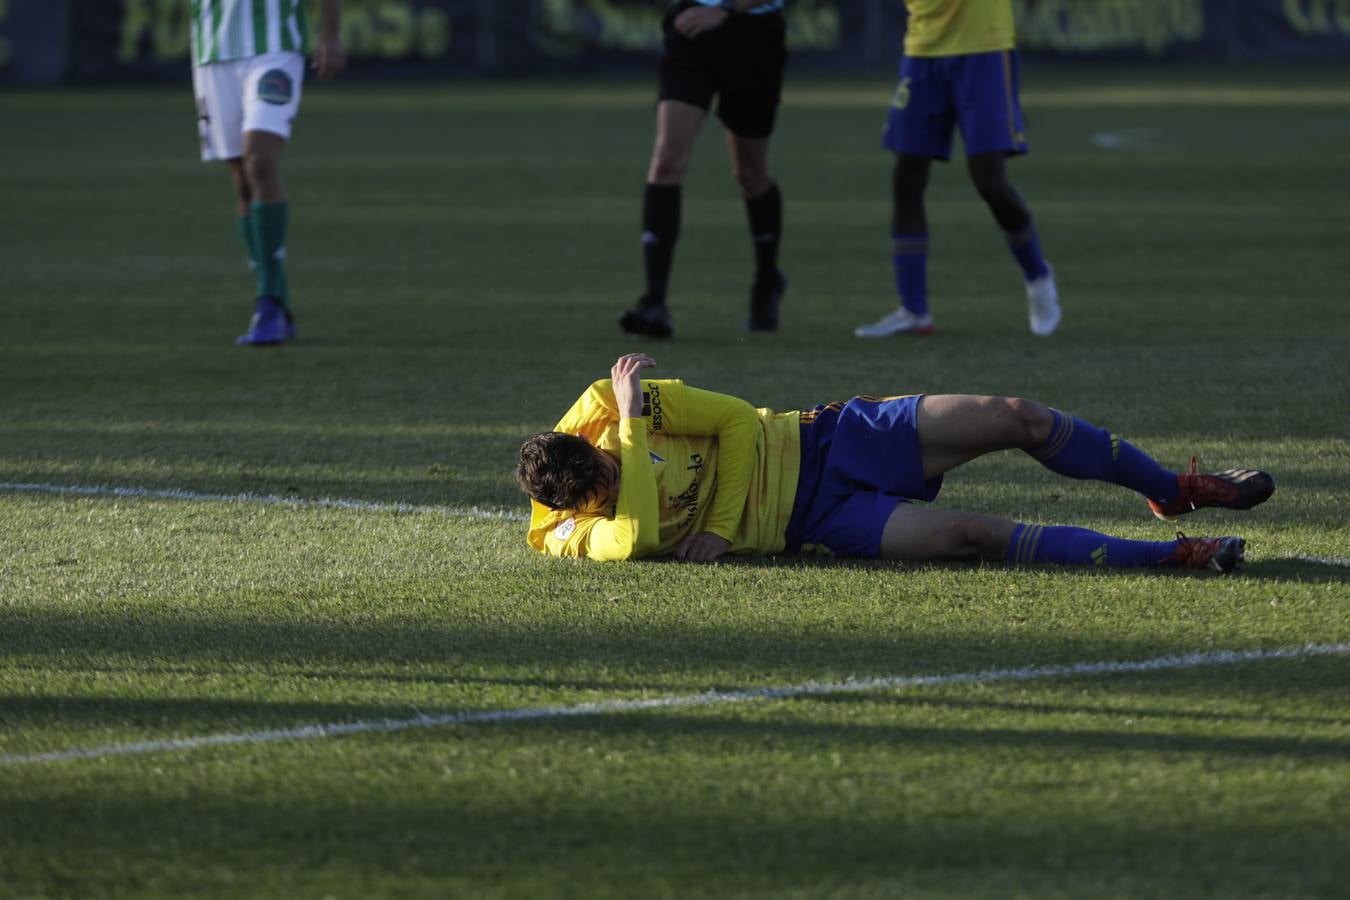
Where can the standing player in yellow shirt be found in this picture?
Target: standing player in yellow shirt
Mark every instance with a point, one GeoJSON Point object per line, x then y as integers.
{"type": "Point", "coordinates": [643, 468]}
{"type": "Point", "coordinates": [960, 70]}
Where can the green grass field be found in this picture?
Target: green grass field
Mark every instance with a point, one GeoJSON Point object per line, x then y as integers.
{"type": "Point", "coordinates": [458, 256]}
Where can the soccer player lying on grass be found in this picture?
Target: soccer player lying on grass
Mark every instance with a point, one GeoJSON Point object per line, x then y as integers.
{"type": "Point", "coordinates": [643, 468]}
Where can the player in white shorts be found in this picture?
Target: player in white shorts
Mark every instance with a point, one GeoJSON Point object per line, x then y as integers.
{"type": "Point", "coordinates": [248, 64]}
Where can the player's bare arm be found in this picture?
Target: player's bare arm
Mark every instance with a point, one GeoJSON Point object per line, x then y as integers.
{"type": "Point", "coordinates": [330, 57]}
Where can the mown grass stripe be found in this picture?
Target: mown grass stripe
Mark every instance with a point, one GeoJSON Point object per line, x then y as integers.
{"type": "Point", "coordinates": [101, 490]}
{"type": "Point", "coordinates": [608, 707]}
{"type": "Point", "coordinates": [469, 512]}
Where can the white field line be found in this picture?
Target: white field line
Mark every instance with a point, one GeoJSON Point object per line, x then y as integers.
{"type": "Point", "coordinates": [709, 698]}
{"type": "Point", "coordinates": [100, 490]}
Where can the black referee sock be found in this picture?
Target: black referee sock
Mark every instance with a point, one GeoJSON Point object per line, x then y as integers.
{"type": "Point", "coordinates": [660, 228]}
{"type": "Point", "coordinates": [766, 227]}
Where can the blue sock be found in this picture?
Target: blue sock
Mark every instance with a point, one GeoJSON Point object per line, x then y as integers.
{"type": "Point", "coordinates": [1026, 248]}
{"type": "Point", "coordinates": [909, 257]}
{"type": "Point", "coordinates": [1078, 449]}
{"type": "Point", "coordinates": [1069, 546]}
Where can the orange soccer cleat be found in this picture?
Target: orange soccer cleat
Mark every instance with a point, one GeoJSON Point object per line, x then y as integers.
{"type": "Point", "coordinates": [1222, 554]}
{"type": "Point", "coordinates": [1231, 489]}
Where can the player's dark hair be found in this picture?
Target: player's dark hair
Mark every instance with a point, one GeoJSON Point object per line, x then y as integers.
{"type": "Point", "coordinates": [559, 470]}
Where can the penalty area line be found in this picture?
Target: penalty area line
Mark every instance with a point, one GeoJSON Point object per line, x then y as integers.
{"type": "Point", "coordinates": [708, 698]}
{"type": "Point", "coordinates": [102, 490]}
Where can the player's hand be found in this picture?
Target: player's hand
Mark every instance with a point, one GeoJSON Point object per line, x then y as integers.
{"type": "Point", "coordinates": [627, 382]}
{"type": "Point", "coordinates": [698, 19]}
{"type": "Point", "coordinates": [330, 57]}
{"type": "Point", "coordinates": [702, 547]}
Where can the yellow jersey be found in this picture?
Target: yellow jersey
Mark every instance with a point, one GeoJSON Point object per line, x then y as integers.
{"type": "Point", "coordinates": [695, 461]}
{"type": "Point", "coordinates": [958, 27]}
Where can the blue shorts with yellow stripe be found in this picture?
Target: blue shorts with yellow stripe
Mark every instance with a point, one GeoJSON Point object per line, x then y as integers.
{"type": "Point", "coordinates": [859, 459]}
{"type": "Point", "coordinates": [975, 91]}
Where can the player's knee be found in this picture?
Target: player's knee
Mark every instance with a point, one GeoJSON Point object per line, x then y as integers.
{"type": "Point", "coordinates": [989, 174]}
{"type": "Point", "coordinates": [752, 179]}
{"type": "Point", "coordinates": [910, 176]}
{"type": "Point", "coordinates": [911, 166]}
{"type": "Point", "coordinates": [990, 178]}
{"type": "Point", "coordinates": [1030, 421]}
{"type": "Point", "coordinates": [665, 170]}
{"type": "Point", "coordinates": [260, 170]}
{"type": "Point", "coordinates": [994, 189]}
{"type": "Point", "coordinates": [668, 165]}
{"type": "Point", "coordinates": [968, 537]}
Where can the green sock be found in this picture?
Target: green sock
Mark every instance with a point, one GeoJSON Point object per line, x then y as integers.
{"type": "Point", "coordinates": [246, 235]}
{"type": "Point", "coordinates": [268, 221]}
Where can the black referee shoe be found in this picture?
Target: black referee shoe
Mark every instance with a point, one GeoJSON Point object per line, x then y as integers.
{"type": "Point", "coordinates": [649, 319]}
{"type": "Point", "coordinates": [765, 298]}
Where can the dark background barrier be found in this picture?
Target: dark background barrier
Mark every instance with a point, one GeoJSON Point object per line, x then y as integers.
{"type": "Point", "coordinates": [35, 39]}
{"type": "Point", "coordinates": [44, 41]}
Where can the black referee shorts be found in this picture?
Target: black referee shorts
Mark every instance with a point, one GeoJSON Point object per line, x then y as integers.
{"type": "Point", "coordinates": [741, 62]}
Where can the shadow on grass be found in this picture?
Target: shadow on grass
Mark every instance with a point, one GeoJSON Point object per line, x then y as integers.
{"type": "Point", "coordinates": [530, 665]}
{"type": "Point", "coordinates": [1294, 569]}
{"type": "Point", "coordinates": [174, 715]}
{"type": "Point", "coordinates": [1276, 569]}
{"type": "Point", "coordinates": [179, 716]}
{"type": "Point", "coordinates": [929, 700]}
{"type": "Point", "coordinates": [441, 836]}
{"type": "Point", "coordinates": [361, 675]}
{"type": "Point", "coordinates": [701, 653]}
{"type": "Point", "coordinates": [797, 735]}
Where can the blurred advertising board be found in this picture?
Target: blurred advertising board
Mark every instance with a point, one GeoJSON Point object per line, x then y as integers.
{"type": "Point", "coordinates": [146, 40]}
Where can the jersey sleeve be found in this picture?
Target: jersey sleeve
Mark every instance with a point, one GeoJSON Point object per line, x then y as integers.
{"type": "Point", "coordinates": [592, 413]}
{"type": "Point", "coordinates": [736, 426]}
{"type": "Point", "coordinates": [634, 530]}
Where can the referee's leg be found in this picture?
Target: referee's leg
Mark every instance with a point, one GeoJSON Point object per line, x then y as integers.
{"type": "Point", "coordinates": [764, 213]}
{"type": "Point", "coordinates": [750, 164]}
{"type": "Point", "coordinates": [677, 127]}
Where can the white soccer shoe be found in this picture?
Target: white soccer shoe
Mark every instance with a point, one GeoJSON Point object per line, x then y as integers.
{"type": "Point", "coordinates": [900, 321]}
{"type": "Point", "coordinates": [1043, 310]}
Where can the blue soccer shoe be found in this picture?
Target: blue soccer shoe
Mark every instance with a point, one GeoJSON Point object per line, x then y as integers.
{"type": "Point", "coordinates": [270, 325]}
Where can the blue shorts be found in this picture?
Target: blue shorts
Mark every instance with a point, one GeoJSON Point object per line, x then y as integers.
{"type": "Point", "coordinates": [976, 91]}
{"type": "Point", "coordinates": [859, 459]}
